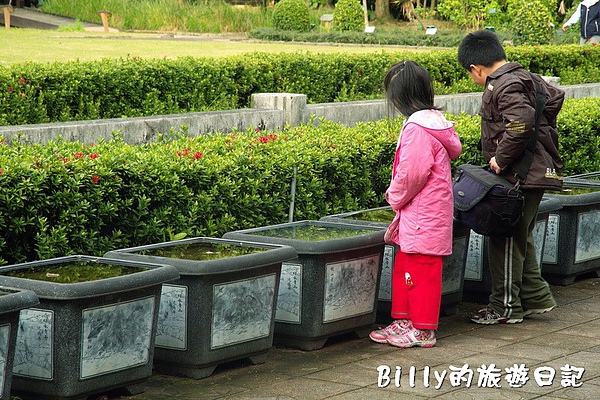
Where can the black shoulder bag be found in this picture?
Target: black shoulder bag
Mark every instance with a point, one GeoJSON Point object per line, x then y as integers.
{"type": "Point", "coordinates": [485, 201]}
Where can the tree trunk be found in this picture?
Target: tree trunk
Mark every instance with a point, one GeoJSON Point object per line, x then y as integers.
{"type": "Point", "coordinates": [382, 9]}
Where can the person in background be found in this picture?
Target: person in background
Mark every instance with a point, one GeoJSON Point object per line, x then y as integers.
{"type": "Point", "coordinates": [507, 122]}
{"type": "Point", "coordinates": [421, 194]}
{"type": "Point", "coordinates": [588, 13]}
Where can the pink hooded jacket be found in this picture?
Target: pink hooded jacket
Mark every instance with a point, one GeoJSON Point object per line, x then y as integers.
{"type": "Point", "coordinates": [421, 188]}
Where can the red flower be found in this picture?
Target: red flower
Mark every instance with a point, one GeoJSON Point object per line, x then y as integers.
{"type": "Point", "coordinates": [10, 89]}
{"type": "Point", "coordinates": [78, 155]}
{"type": "Point", "coordinates": [93, 156]}
{"type": "Point", "coordinates": [21, 80]}
{"type": "Point", "coordinates": [66, 160]}
{"type": "Point", "coordinates": [182, 153]}
{"type": "Point", "coordinates": [268, 138]}
{"type": "Point", "coordinates": [197, 155]}
{"type": "Point", "coordinates": [95, 179]}
{"type": "Point", "coordinates": [1, 171]}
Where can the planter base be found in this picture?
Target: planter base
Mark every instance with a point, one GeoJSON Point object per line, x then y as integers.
{"type": "Point", "coordinates": [565, 280]}
{"type": "Point", "coordinates": [316, 343]}
{"type": "Point", "coordinates": [203, 371]}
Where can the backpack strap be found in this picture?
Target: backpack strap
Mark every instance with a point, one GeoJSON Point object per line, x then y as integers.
{"type": "Point", "coordinates": [527, 159]}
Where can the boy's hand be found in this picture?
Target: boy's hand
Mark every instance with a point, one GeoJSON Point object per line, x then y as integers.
{"type": "Point", "coordinates": [494, 166]}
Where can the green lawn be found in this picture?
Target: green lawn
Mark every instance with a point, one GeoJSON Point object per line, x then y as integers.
{"type": "Point", "coordinates": [45, 46]}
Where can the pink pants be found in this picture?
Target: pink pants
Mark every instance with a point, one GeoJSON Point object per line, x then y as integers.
{"type": "Point", "coordinates": [417, 289]}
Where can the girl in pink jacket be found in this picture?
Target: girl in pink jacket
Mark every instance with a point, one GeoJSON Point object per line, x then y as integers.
{"type": "Point", "coordinates": [421, 194]}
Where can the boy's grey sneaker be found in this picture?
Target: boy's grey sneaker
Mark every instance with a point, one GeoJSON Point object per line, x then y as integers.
{"type": "Point", "coordinates": [488, 316]}
{"type": "Point", "coordinates": [537, 311]}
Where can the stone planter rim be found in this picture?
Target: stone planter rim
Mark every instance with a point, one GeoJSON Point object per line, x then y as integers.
{"type": "Point", "coordinates": [348, 215]}
{"type": "Point", "coordinates": [155, 274]}
{"type": "Point", "coordinates": [575, 200]}
{"type": "Point", "coordinates": [549, 204]}
{"type": "Point", "coordinates": [357, 222]}
{"type": "Point", "coordinates": [316, 247]}
{"type": "Point", "coordinates": [276, 253]}
{"type": "Point", "coordinates": [16, 299]}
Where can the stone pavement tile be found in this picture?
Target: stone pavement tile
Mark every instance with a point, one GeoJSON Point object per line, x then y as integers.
{"type": "Point", "coordinates": [579, 311]}
{"type": "Point", "coordinates": [486, 393]}
{"type": "Point", "coordinates": [588, 329]}
{"type": "Point", "coordinates": [595, 349]}
{"type": "Point", "coordinates": [582, 359]}
{"type": "Point", "coordinates": [533, 351]}
{"type": "Point", "coordinates": [298, 389]}
{"type": "Point", "coordinates": [160, 387]}
{"type": "Point", "coordinates": [354, 374]}
{"type": "Point", "coordinates": [405, 358]}
{"type": "Point", "coordinates": [571, 341]}
{"type": "Point", "coordinates": [469, 343]}
{"type": "Point", "coordinates": [378, 393]}
{"type": "Point", "coordinates": [249, 376]}
{"type": "Point", "coordinates": [507, 332]}
{"type": "Point", "coordinates": [584, 287]}
{"type": "Point", "coordinates": [294, 363]}
{"type": "Point", "coordinates": [584, 392]}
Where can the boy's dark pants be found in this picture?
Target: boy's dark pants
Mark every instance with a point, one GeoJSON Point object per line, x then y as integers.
{"type": "Point", "coordinates": [517, 283]}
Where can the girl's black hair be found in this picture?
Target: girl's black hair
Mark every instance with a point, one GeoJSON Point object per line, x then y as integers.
{"type": "Point", "coordinates": [408, 88]}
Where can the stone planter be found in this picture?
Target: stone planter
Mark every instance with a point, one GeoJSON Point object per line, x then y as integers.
{"type": "Point", "coordinates": [85, 337]}
{"type": "Point", "coordinates": [478, 281]}
{"type": "Point", "coordinates": [453, 271]}
{"type": "Point", "coordinates": [573, 237]}
{"type": "Point", "coordinates": [12, 301]}
{"type": "Point", "coordinates": [223, 306]}
{"type": "Point", "coordinates": [331, 287]}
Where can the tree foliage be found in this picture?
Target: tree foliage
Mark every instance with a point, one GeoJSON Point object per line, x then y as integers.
{"type": "Point", "coordinates": [348, 16]}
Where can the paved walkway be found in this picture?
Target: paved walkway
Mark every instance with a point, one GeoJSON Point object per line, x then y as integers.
{"type": "Point", "coordinates": [347, 367]}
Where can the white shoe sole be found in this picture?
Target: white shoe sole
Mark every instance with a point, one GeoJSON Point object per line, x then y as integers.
{"type": "Point", "coordinates": [532, 311]}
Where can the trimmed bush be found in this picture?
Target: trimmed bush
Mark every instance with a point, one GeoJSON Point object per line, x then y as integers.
{"type": "Point", "coordinates": [291, 15]}
{"type": "Point", "coordinates": [532, 23]}
{"type": "Point", "coordinates": [348, 16]}
{"type": "Point", "coordinates": [36, 93]}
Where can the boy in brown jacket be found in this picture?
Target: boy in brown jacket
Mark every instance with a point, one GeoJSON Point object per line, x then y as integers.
{"type": "Point", "coordinates": [507, 123]}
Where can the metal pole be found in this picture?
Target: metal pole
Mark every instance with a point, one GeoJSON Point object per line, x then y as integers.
{"type": "Point", "coordinates": [293, 193]}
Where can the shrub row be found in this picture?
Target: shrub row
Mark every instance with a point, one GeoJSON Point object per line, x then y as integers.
{"type": "Point", "coordinates": [73, 198]}
{"type": "Point", "coordinates": [36, 93]}
{"type": "Point", "coordinates": [379, 37]}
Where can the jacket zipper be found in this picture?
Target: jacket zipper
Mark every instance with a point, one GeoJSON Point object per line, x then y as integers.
{"type": "Point", "coordinates": [585, 22]}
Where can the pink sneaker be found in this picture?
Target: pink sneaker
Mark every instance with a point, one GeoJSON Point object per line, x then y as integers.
{"type": "Point", "coordinates": [397, 327]}
{"type": "Point", "coordinates": [413, 337]}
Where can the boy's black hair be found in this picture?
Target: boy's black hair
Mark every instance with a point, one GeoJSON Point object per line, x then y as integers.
{"type": "Point", "coordinates": [408, 88]}
{"type": "Point", "coordinates": [480, 48]}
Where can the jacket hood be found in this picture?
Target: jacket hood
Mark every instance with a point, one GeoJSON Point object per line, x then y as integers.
{"type": "Point", "coordinates": [437, 126]}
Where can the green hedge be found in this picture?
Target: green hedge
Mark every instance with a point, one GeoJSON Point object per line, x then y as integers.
{"type": "Point", "coordinates": [72, 198]}
{"type": "Point", "coordinates": [36, 93]}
